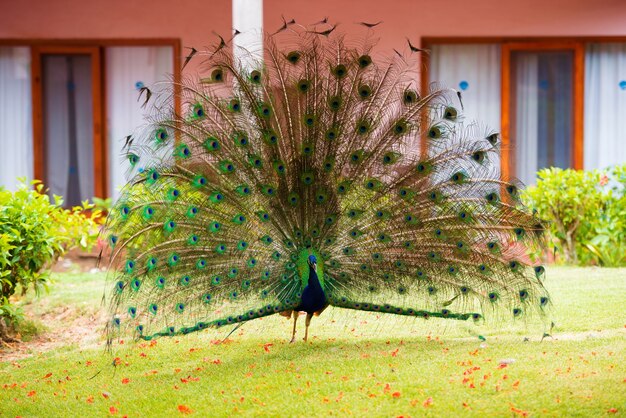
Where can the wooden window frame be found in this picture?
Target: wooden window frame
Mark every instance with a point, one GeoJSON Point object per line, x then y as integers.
{"type": "Point", "coordinates": [95, 48]}
{"type": "Point", "coordinates": [39, 144]}
{"type": "Point", "coordinates": [509, 44]}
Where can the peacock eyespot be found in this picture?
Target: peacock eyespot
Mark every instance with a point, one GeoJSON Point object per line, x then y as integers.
{"type": "Point", "coordinates": [217, 74]}
{"type": "Point", "coordinates": [293, 57]}
{"type": "Point", "coordinates": [331, 134]}
{"type": "Point", "coordinates": [334, 102]}
{"type": "Point", "coordinates": [255, 76]}
{"type": "Point", "coordinates": [493, 138]}
{"type": "Point", "coordinates": [198, 111]}
{"type": "Point", "coordinates": [434, 132]}
{"type": "Point", "coordinates": [303, 85]}
{"type": "Point", "coordinates": [410, 97]}
{"type": "Point", "coordinates": [340, 71]}
{"type": "Point", "coordinates": [235, 105]}
{"type": "Point", "coordinates": [478, 156]}
{"type": "Point", "coordinates": [464, 289]}
{"type": "Point", "coordinates": [543, 301]}
{"type": "Point", "coordinates": [161, 135]}
{"type": "Point", "coordinates": [365, 91]}
{"type": "Point", "coordinates": [400, 127]}
{"type": "Point", "coordinates": [362, 128]}
{"type": "Point", "coordinates": [517, 311]}
{"type": "Point", "coordinates": [450, 113]}
{"type": "Point", "coordinates": [364, 61]}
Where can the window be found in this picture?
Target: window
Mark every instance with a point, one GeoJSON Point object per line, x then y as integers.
{"type": "Point", "coordinates": [69, 108]}
{"type": "Point", "coordinates": [559, 101]}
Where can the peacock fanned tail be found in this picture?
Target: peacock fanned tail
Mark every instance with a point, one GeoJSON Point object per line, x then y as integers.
{"type": "Point", "coordinates": [322, 149]}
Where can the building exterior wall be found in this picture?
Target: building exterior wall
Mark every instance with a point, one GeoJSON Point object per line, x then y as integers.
{"type": "Point", "coordinates": [194, 20]}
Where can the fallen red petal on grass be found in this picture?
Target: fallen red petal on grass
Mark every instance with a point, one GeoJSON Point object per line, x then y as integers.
{"type": "Point", "coordinates": [502, 365]}
{"type": "Point", "coordinates": [612, 411]}
{"type": "Point", "coordinates": [89, 399]}
{"type": "Point", "coordinates": [106, 395]}
{"type": "Point", "coordinates": [112, 410]}
{"type": "Point", "coordinates": [184, 409]}
{"type": "Point", "coordinates": [519, 411]}
{"type": "Point", "coordinates": [428, 402]}
{"type": "Point", "coordinates": [47, 375]}
{"type": "Point", "coordinates": [396, 395]}
{"type": "Point", "coordinates": [125, 381]}
{"type": "Point", "coordinates": [31, 393]}
{"type": "Point", "coordinates": [267, 346]}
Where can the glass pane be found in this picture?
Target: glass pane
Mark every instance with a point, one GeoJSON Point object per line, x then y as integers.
{"type": "Point", "coordinates": [541, 111]}
{"type": "Point", "coordinates": [68, 126]}
{"type": "Point", "coordinates": [16, 138]}
{"type": "Point", "coordinates": [128, 69]}
{"type": "Point", "coordinates": [605, 105]}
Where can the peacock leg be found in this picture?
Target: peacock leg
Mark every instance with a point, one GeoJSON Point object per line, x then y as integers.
{"type": "Point", "coordinates": [295, 319]}
{"type": "Point", "coordinates": [307, 323]}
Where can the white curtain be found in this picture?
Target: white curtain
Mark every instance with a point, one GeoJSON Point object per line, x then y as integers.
{"type": "Point", "coordinates": [248, 19]}
{"type": "Point", "coordinates": [16, 133]}
{"type": "Point", "coordinates": [474, 70]}
{"type": "Point", "coordinates": [526, 129]}
{"type": "Point", "coordinates": [127, 70]}
{"type": "Point", "coordinates": [605, 105]}
{"type": "Point", "coordinates": [68, 126]}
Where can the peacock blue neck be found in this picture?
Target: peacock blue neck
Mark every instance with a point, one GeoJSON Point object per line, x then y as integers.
{"type": "Point", "coordinates": [306, 272]}
{"type": "Point", "coordinates": [313, 279]}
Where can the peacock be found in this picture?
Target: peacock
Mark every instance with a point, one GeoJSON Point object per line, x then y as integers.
{"type": "Point", "coordinates": [319, 175]}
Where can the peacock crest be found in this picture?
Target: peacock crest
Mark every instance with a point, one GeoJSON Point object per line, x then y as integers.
{"type": "Point", "coordinates": [325, 151]}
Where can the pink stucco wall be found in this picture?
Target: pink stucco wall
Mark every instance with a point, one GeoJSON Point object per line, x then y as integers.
{"type": "Point", "coordinates": [193, 20]}
{"type": "Point", "coordinates": [468, 18]}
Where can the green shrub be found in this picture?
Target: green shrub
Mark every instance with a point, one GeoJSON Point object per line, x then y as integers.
{"type": "Point", "coordinates": [586, 211]}
{"type": "Point", "coordinates": [608, 245]}
{"type": "Point", "coordinates": [34, 232]}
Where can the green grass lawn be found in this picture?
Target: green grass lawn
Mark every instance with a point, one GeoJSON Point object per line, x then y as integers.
{"type": "Point", "coordinates": [356, 364]}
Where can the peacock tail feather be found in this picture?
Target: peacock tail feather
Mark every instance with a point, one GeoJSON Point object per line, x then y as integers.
{"type": "Point", "coordinates": [320, 149]}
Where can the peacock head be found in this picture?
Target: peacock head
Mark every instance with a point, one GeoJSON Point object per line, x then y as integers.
{"type": "Point", "coordinates": [313, 261]}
